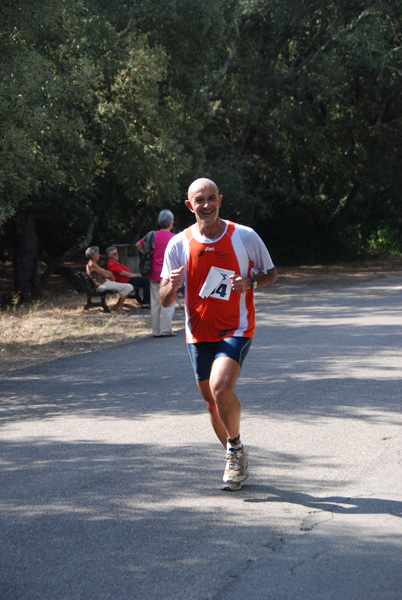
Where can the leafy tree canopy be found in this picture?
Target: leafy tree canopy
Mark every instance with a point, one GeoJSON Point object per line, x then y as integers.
{"type": "Point", "coordinates": [108, 110]}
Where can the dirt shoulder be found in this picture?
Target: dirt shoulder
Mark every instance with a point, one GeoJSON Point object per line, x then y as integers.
{"type": "Point", "coordinates": [58, 326]}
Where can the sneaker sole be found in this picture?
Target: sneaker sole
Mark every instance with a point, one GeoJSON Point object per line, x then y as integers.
{"type": "Point", "coordinates": [232, 487]}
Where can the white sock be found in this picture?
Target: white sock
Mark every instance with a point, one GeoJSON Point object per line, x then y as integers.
{"type": "Point", "coordinates": [230, 447]}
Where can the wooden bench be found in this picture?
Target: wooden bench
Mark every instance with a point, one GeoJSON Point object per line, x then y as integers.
{"type": "Point", "coordinates": [89, 290]}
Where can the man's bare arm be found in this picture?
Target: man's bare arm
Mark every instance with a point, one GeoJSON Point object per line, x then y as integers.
{"type": "Point", "coordinates": [242, 284]}
{"type": "Point", "coordinates": [267, 278]}
{"type": "Point", "coordinates": [168, 287]}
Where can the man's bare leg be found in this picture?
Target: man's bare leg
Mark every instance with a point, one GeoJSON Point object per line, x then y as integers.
{"type": "Point", "coordinates": [223, 378]}
{"type": "Point", "coordinates": [216, 422]}
{"type": "Point", "coordinates": [224, 409]}
{"type": "Point", "coordinates": [222, 402]}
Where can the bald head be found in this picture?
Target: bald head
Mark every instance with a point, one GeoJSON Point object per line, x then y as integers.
{"type": "Point", "coordinates": [201, 184]}
{"type": "Point", "coordinates": [204, 201]}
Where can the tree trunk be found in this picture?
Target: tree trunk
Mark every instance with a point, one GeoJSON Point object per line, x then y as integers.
{"type": "Point", "coordinates": [55, 265]}
{"type": "Point", "coordinates": [25, 261]}
{"type": "Point", "coordinates": [28, 284]}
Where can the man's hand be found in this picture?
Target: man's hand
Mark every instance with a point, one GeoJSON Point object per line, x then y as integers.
{"type": "Point", "coordinates": [176, 279]}
{"type": "Point", "coordinates": [239, 284]}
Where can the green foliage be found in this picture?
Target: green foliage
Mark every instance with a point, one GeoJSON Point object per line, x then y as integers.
{"type": "Point", "coordinates": [311, 112]}
{"type": "Point", "coordinates": [44, 112]}
{"type": "Point", "coordinates": [110, 108]}
{"type": "Point", "coordinates": [385, 241]}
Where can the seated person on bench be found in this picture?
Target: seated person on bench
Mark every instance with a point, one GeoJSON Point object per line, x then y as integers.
{"type": "Point", "coordinates": [101, 278]}
{"type": "Point", "coordinates": [124, 275]}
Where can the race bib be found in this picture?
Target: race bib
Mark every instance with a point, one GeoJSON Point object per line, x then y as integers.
{"type": "Point", "coordinates": [217, 284]}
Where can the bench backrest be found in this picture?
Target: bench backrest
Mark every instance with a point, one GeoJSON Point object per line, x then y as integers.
{"type": "Point", "coordinates": [86, 283]}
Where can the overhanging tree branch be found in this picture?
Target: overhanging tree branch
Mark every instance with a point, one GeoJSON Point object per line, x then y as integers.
{"type": "Point", "coordinates": [232, 53]}
{"type": "Point", "coordinates": [129, 24]}
{"type": "Point", "coordinates": [54, 264]}
{"type": "Point", "coordinates": [286, 35]}
{"type": "Point", "coordinates": [134, 137]}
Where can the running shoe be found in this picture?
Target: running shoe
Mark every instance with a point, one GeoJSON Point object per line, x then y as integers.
{"type": "Point", "coordinates": [236, 466]}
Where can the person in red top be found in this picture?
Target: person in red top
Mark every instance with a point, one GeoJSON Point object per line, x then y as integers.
{"type": "Point", "coordinates": [221, 264]}
{"type": "Point", "coordinates": [124, 275]}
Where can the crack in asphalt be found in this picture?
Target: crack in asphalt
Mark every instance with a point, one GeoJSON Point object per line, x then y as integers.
{"type": "Point", "coordinates": [237, 570]}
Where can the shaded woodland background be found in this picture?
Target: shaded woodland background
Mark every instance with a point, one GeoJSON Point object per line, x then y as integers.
{"type": "Point", "coordinates": [110, 108]}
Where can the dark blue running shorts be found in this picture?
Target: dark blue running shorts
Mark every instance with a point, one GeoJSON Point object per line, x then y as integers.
{"type": "Point", "coordinates": [203, 354]}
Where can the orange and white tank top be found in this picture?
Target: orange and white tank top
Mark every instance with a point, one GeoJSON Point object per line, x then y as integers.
{"type": "Point", "coordinates": [213, 310]}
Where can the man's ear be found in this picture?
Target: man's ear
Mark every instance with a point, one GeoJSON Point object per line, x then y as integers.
{"type": "Point", "coordinates": [189, 205]}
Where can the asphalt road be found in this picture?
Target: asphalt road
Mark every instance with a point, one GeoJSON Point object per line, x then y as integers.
{"type": "Point", "coordinates": [110, 471]}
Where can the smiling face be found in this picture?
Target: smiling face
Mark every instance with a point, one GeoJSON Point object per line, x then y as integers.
{"type": "Point", "coordinates": [204, 201]}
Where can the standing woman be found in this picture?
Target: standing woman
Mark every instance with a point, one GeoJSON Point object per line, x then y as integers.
{"type": "Point", "coordinates": [161, 318]}
{"type": "Point", "coordinates": [104, 280]}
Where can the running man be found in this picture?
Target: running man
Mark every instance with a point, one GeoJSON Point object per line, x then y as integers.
{"type": "Point", "coordinates": [221, 264]}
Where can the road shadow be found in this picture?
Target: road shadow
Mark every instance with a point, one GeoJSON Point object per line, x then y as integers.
{"type": "Point", "coordinates": [334, 504]}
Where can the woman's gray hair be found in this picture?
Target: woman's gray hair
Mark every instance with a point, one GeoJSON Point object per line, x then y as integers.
{"type": "Point", "coordinates": [91, 251]}
{"type": "Point", "coordinates": [165, 217]}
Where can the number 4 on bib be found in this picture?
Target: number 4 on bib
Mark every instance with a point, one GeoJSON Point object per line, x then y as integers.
{"type": "Point", "coordinates": [217, 284]}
